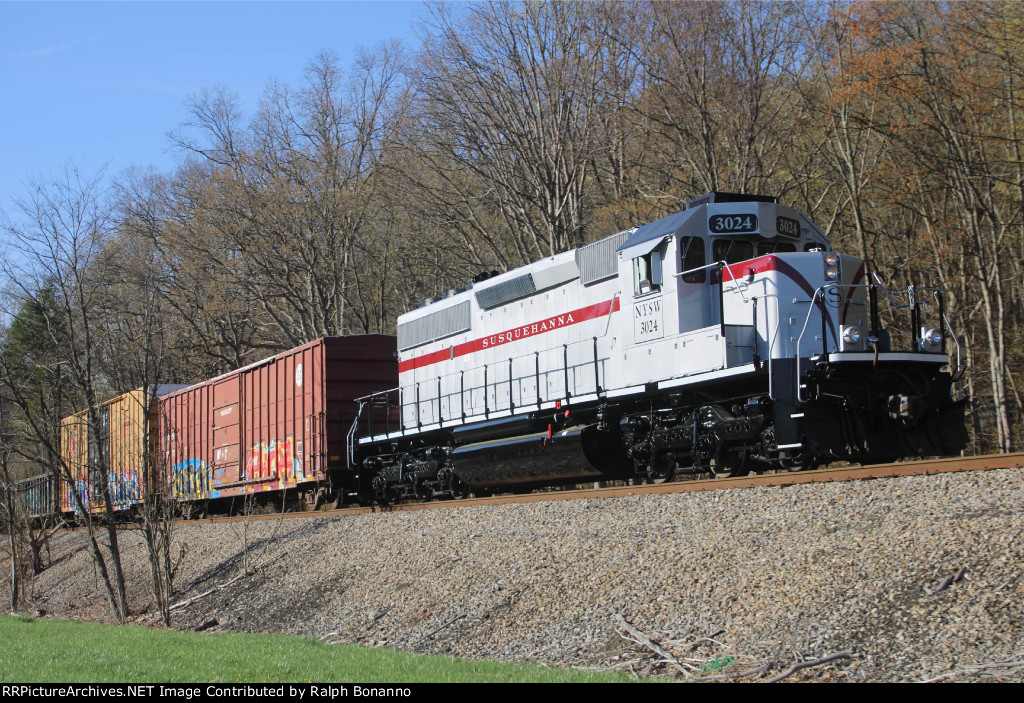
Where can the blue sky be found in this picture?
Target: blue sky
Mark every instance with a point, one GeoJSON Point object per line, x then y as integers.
{"type": "Point", "coordinates": [102, 83]}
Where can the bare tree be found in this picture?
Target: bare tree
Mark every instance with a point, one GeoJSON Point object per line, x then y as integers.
{"type": "Point", "coordinates": [55, 249]}
{"type": "Point", "coordinates": [13, 515]}
{"type": "Point", "coordinates": [955, 153]}
{"type": "Point", "coordinates": [506, 123]}
{"type": "Point", "coordinates": [722, 93]}
{"type": "Point", "coordinates": [281, 205]}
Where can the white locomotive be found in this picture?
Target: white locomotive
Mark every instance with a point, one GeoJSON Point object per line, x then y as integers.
{"type": "Point", "coordinates": [726, 338]}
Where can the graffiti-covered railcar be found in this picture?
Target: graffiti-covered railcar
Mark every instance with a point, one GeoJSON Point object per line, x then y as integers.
{"type": "Point", "coordinates": [117, 442]}
{"type": "Point", "coordinates": [278, 424]}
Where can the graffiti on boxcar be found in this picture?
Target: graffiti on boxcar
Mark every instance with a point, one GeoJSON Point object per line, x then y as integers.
{"type": "Point", "coordinates": [275, 459]}
{"type": "Point", "coordinates": [124, 489]}
{"type": "Point", "coordinates": [67, 497]}
{"type": "Point", "coordinates": [191, 479]}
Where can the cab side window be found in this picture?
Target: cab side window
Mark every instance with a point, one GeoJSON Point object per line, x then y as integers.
{"type": "Point", "coordinates": [647, 273]}
{"type": "Point", "coordinates": [691, 256]}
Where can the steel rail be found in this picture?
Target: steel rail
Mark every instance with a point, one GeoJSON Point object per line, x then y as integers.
{"type": "Point", "coordinates": [925, 467]}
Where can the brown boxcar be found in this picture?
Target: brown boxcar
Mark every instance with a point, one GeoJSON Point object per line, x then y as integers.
{"type": "Point", "coordinates": [120, 448]}
{"type": "Point", "coordinates": [277, 424]}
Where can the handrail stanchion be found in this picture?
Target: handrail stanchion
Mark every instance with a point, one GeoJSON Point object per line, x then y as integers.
{"type": "Point", "coordinates": [565, 367]}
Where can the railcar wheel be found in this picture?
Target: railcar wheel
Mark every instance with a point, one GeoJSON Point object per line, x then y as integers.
{"type": "Point", "coordinates": [313, 498]}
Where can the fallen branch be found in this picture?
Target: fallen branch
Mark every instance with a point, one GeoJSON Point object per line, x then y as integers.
{"type": "Point", "coordinates": [193, 599]}
{"type": "Point", "coordinates": [1013, 664]}
{"type": "Point", "coordinates": [947, 582]}
{"type": "Point", "coordinates": [434, 632]}
{"type": "Point", "coordinates": [382, 613]}
{"type": "Point", "coordinates": [808, 664]}
{"type": "Point", "coordinates": [641, 638]}
{"type": "Point", "coordinates": [710, 638]}
{"type": "Point", "coordinates": [625, 663]}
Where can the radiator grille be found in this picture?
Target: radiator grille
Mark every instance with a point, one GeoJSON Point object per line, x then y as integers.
{"type": "Point", "coordinates": [436, 325]}
{"type": "Point", "coordinates": [518, 287]}
{"type": "Point", "coordinates": [599, 261]}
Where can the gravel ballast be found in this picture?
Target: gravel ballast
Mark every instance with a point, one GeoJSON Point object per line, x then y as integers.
{"type": "Point", "coordinates": [769, 575]}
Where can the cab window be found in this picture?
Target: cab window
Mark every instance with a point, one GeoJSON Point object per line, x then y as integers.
{"type": "Point", "coordinates": [647, 273]}
{"type": "Point", "coordinates": [732, 251]}
{"type": "Point", "coordinates": [691, 255]}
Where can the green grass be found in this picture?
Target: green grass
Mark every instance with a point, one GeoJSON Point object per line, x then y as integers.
{"type": "Point", "coordinates": [40, 651]}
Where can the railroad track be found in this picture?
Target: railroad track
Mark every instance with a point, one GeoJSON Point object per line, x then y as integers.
{"type": "Point", "coordinates": [846, 473]}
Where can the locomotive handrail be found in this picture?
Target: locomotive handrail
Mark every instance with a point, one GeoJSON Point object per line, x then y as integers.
{"type": "Point", "coordinates": [910, 291]}
{"type": "Point", "coordinates": [565, 370]}
{"type": "Point", "coordinates": [824, 332]}
{"type": "Point", "coordinates": [721, 292]}
{"type": "Point", "coordinates": [918, 319]}
{"type": "Point", "coordinates": [608, 317]}
{"type": "Point", "coordinates": [887, 294]}
{"type": "Point", "coordinates": [771, 342]}
{"type": "Point", "coordinates": [800, 339]}
{"type": "Point", "coordinates": [960, 366]}
{"type": "Point", "coordinates": [373, 400]}
{"type": "Point", "coordinates": [720, 265]}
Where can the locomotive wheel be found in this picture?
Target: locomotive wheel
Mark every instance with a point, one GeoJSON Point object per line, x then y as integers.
{"type": "Point", "coordinates": [805, 461]}
{"type": "Point", "coordinates": [732, 464]}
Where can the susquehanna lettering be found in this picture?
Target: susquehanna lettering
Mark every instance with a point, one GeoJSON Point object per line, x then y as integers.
{"type": "Point", "coordinates": [528, 330]}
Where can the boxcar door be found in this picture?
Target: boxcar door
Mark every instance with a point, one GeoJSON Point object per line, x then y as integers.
{"type": "Point", "coordinates": [226, 437]}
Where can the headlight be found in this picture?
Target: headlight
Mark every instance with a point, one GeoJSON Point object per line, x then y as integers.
{"type": "Point", "coordinates": [932, 336]}
{"type": "Point", "coordinates": [852, 335]}
{"type": "Point", "coordinates": [832, 267]}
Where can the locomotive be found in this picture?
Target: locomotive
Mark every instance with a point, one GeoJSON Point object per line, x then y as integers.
{"type": "Point", "coordinates": [724, 339]}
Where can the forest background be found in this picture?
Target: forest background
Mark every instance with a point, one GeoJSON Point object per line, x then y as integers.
{"type": "Point", "coordinates": [514, 131]}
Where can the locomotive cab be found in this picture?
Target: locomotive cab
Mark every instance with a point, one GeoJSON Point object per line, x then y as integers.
{"type": "Point", "coordinates": [695, 276]}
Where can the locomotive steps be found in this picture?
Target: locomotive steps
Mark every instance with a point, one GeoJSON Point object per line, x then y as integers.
{"type": "Point", "coordinates": [739, 580]}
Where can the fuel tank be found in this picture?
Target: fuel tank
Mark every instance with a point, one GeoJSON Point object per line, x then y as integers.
{"type": "Point", "coordinates": [569, 456]}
